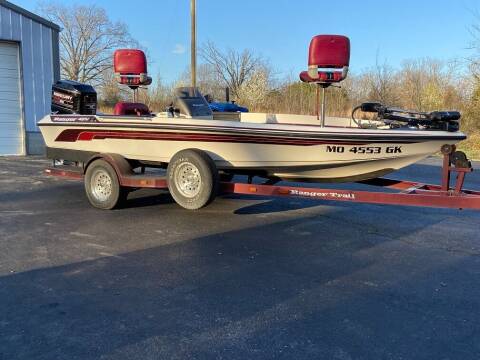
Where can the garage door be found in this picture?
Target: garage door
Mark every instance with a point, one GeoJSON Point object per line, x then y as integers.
{"type": "Point", "coordinates": [11, 129]}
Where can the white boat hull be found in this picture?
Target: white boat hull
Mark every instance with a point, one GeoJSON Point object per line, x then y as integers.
{"type": "Point", "coordinates": [295, 152]}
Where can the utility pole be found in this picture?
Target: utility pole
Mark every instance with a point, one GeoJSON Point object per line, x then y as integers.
{"type": "Point", "coordinates": [193, 50]}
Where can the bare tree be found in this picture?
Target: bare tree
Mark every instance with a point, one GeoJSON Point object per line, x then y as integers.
{"type": "Point", "coordinates": [254, 92]}
{"type": "Point", "coordinates": [159, 96]}
{"type": "Point", "coordinates": [414, 80]}
{"type": "Point", "coordinates": [87, 40]}
{"type": "Point", "coordinates": [234, 68]}
{"type": "Point", "coordinates": [208, 81]}
{"type": "Point", "coordinates": [428, 84]}
{"type": "Point", "coordinates": [382, 84]}
{"type": "Point", "coordinates": [474, 60]}
{"type": "Point", "coordinates": [110, 91]}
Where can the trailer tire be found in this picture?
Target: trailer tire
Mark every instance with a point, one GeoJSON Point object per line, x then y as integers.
{"type": "Point", "coordinates": [102, 186]}
{"type": "Point", "coordinates": [192, 178]}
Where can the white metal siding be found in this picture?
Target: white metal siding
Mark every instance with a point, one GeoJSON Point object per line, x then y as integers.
{"type": "Point", "coordinates": [38, 65]}
{"type": "Point", "coordinates": [11, 122]}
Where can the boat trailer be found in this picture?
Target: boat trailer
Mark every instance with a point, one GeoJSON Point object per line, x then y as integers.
{"type": "Point", "coordinates": [449, 194]}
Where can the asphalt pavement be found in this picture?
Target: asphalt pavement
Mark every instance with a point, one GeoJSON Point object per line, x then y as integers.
{"type": "Point", "coordinates": [245, 278]}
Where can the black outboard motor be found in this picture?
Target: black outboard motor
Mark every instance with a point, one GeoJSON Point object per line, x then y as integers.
{"type": "Point", "coordinates": [71, 97]}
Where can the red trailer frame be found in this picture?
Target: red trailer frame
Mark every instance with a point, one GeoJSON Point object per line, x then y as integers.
{"type": "Point", "coordinates": [408, 193]}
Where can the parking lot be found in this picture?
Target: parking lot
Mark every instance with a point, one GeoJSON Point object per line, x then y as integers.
{"type": "Point", "coordinates": [245, 278]}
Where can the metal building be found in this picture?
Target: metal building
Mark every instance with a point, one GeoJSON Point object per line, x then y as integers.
{"type": "Point", "coordinates": [29, 64]}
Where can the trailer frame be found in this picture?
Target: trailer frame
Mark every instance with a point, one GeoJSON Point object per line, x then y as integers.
{"type": "Point", "coordinates": [408, 193]}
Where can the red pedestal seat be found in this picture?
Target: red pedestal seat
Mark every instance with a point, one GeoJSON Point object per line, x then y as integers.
{"type": "Point", "coordinates": [130, 67]}
{"type": "Point", "coordinates": [328, 59]}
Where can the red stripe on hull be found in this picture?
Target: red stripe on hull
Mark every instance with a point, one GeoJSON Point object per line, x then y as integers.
{"type": "Point", "coordinates": [74, 135]}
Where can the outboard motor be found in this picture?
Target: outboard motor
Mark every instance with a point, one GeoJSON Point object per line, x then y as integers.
{"type": "Point", "coordinates": [72, 97]}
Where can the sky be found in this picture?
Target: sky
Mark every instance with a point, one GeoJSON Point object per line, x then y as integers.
{"type": "Point", "coordinates": [280, 30]}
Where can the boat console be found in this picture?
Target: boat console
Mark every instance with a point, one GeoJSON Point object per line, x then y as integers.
{"type": "Point", "coordinates": [189, 101]}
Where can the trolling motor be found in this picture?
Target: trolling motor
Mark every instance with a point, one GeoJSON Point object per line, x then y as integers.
{"type": "Point", "coordinates": [400, 118]}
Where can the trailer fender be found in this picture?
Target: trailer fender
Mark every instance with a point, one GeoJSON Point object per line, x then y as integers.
{"type": "Point", "coordinates": [121, 165]}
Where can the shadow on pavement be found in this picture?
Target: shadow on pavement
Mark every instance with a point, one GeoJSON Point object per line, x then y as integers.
{"type": "Point", "coordinates": [319, 291]}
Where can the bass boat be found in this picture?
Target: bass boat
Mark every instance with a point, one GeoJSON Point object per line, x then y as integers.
{"type": "Point", "coordinates": [273, 146]}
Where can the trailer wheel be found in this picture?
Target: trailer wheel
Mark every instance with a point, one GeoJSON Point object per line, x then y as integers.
{"type": "Point", "coordinates": [192, 179]}
{"type": "Point", "coordinates": [102, 186]}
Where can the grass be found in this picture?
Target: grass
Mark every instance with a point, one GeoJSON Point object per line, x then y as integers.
{"type": "Point", "coordinates": [105, 109]}
{"type": "Point", "coordinates": [471, 146]}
